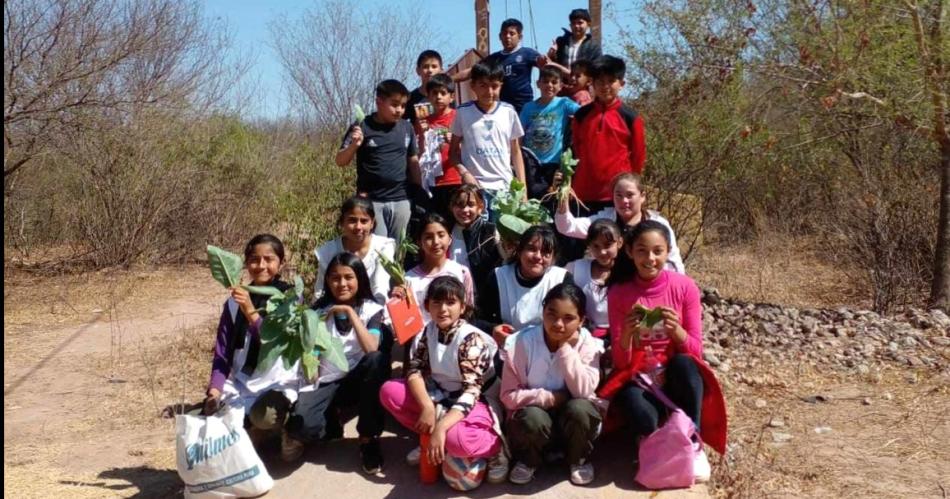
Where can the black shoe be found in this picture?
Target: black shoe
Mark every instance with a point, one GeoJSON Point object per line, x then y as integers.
{"type": "Point", "coordinates": [332, 432]}
{"type": "Point", "coordinates": [371, 456]}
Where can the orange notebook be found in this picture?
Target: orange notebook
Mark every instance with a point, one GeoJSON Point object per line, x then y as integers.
{"type": "Point", "coordinates": [406, 317]}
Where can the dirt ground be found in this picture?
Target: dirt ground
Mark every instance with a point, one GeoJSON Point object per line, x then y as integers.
{"type": "Point", "coordinates": [90, 361]}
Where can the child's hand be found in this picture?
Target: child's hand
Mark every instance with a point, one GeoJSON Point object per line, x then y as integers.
{"type": "Point", "coordinates": [542, 60]}
{"type": "Point", "coordinates": [212, 402]}
{"type": "Point", "coordinates": [672, 327]}
{"type": "Point", "coordinates": [426, 421]}
{"type": "Point", "coordinates": [423, 125]}
{"type": "Point", "coordinates": [398, 292]}
{"type": "Point", "coordinates": [436, 448]}
{"type": "Point", "coordinates": [631, 327]}
{"type": "Point", "coordinates": [501, 332]}
{"type": "Point", "coordinates": [552, 50]}
{"type": "Point", "coordinates": [243, 298]}
{"type": "Point", "coordinates": [356, 135]}
{"type": "Point", "coordinates": [346, 309]}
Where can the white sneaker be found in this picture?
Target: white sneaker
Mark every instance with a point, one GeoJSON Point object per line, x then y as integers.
{"type": "Point", "coordinates": [521, 474]}
{"type": "Point", "coordinates": [701, 468]}
{"type": "Point", "coordinates": [412, 459]}
{"type": "Point", "coordinates": [498, 468]}
{"type": "Point", "coordinates": [582, 473]}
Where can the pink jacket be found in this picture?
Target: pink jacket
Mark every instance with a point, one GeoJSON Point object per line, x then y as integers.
{"type": "Point", "coordinates": [579, 364]}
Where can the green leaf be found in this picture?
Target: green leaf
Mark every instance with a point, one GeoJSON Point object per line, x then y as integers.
{"type": "Point", "coordinates": [651, 316]}
{"type": "Point", "coordinates": [358, 114]}
{"type": "Point", "coordinates": [272, 329]}
{"type": "Point", "coordinates": [292, 354]}
{"type": "Point", "coordinates": [392, 268]}
{"type": "Point", "coordinates": [511, 227]}
{"type": "Point", "coordinates": [225, 266]}
{"type": "Point", "coordinates": [298, 285]}
{"type": "Point", "coordinates": [311, 323]}
{"type": "Point", "coordinates": [269, 354]}
{"type": "Point", "coordinates": [334, 354]}
{"type": "Point", "coordinates": [309, 362]}
{"type": "Point", "coordinates": [264, 290]}
{"type": "Point", "coordinates": [322, 336]}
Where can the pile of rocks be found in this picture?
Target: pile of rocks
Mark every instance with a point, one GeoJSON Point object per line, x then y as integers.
{"type": "Point", "coordinates": [843, 339]}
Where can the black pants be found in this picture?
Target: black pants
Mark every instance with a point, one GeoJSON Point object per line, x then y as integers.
{"type": "Point", "coordinates": [683, 385]}
{"type": "Point", "coordinates": [317, 410]}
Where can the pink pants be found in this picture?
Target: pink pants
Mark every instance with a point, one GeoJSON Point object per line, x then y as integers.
{"type": "Point", "coordinates": [472, 437]}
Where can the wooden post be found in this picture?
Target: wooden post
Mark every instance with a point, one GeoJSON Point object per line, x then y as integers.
{"type": "Point", "coordinates": [594, 7]}
{"type": "Point", "coordinates": [482, 37]}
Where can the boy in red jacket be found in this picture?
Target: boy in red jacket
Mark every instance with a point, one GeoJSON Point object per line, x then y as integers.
{"type": "Point", "coordinates": [608, 137]}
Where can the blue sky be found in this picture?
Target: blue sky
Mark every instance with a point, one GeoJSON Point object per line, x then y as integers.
{"type": "Point", "coordinates": [248, 20]}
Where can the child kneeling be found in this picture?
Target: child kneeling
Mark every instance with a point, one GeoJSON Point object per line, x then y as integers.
{"type": "Point", "coordinates": [442, 392]}
{"type": "Point", "coordinates": [551, 372]}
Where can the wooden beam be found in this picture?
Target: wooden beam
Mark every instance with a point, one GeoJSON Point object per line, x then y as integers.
{"type": "Point", "coordinates": [595, 25]}
{"type": "Point", "coordinates": [482, 38]}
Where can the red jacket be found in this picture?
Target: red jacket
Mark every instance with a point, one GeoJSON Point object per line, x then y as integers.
{"type": "Point", "coordinates": [608, 140]}
{"type": "Point", "coordinates": [713, 424]}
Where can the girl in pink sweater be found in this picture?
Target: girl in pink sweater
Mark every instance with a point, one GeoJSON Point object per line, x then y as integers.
{"type": "Point", "coordinates": [676, 342]}
{"type": "Point", "coordinates": [550, 374]}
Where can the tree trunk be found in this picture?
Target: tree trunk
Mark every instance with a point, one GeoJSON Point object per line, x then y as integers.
{"type": "Point", "coordinates": [940, 290]}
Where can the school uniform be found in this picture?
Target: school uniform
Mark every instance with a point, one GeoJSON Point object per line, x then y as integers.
{"type": "Point", "coordinates": [316, 410]}
{"type": "Point", "coordinates": [596, 294]}
{"type": "Point", "coordinates": [234, 370]}
{"type": "Point", "coordinates": [456, 366]}
{"type": "Point", "coordinates": [511, 299]}
{"type": "Point", "coordinates": [532, 376]}
{"type": "Point", "coordinates": [378, 277]}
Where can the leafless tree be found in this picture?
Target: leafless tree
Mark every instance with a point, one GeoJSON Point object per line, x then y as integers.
{"type": "Point", "coordinates": [66, 61]}
{"type": "Point", "coordinates": [333, 56]}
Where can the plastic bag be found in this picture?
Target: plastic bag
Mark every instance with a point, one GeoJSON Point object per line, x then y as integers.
{"type": "Point", "coordinates": [217, 459]}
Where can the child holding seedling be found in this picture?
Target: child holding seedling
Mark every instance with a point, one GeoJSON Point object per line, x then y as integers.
{"type": "Point", "coordinates": [352, 316]}
{"type": "Point", "coordinates": [442, 393]}
{"type": "Point", "coordinates": [485, 136]}
{"type": "Point", "coordinates": [656, 328]}
{"type": "Point", "coordinates": [550, 374]}
{"type": "Point", "coordinates": [547, 122]}
{"type": "Point", "coordinates": [266, 397]}
{"type": "Point", "coordinates": [474, 241]}
{"type": "Point", "coordinates": [591, 273]}
{"type": "Point", "coordinates": [384, 146]}
{"type": "Point", "coordinates": [627, 211]}
{"type": "Point", "coordinates": [511, 299]}
{"type": "Point", "coordinates": [356, 222]}
{"type": "Point", "coordinates": [439, 177]}
{"type": "Point", "coordinates": [434, 242]}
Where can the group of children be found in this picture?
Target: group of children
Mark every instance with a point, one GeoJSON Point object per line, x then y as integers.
{"type": "Point", "coordinates": [521, 355]}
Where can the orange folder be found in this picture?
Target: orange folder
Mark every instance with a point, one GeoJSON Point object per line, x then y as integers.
{"type": "Point", "coordinates": [406, 316]}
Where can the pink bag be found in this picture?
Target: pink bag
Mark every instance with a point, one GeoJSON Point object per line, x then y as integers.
{"type": "Point", "coordinates": [667, 454]}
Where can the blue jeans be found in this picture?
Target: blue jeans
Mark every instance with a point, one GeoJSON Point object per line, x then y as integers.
{"type": "Point", "coordinates": [488, 196]}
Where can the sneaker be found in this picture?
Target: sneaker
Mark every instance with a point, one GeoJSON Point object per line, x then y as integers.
{"type": "Point", "coordinates": [521, 474]}
{"type": "Point", "coordinates": [701, 468]}
{"type": "Point", "coordinates": [290, 448]}
{"type": "Point", "coordinates": [412, 459]}
{"type": "Point", "coordinates": [372, 457]}
{"type": "Point", "coordinates": [498, 468]}
{"type": "Point", "coordinates": [582, 473]}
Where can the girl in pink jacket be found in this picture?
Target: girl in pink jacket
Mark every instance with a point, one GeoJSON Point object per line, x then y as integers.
{"type": "Point", "coordinates": [550, 374]}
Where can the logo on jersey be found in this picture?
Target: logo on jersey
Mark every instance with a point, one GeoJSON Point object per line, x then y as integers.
{"type": "Point", "coordinates": [371, 143]}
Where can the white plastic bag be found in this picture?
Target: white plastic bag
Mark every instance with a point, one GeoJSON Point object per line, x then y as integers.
{"type": "Point", "coordinates": [217, 459]}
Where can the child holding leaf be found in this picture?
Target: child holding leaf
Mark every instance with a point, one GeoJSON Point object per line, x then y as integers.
{"type": "Point", "coordinates": [349, 314]}
{"type": "Point", "coordinates": [656, 320]}
{"type": "Point", "coordinates": [265, 395]}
